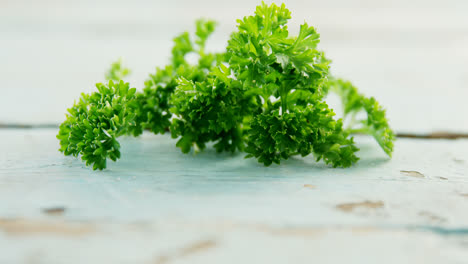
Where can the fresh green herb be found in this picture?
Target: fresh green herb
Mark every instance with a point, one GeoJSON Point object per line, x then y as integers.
{"type": "Point", "coordinates": [264, 95]}
{"type": "Point", "coordinates": [117, 71]}
{"type": "Point", "coordinates": [94, 123]}
{"type": "Point", "coordinates": [375, 123]}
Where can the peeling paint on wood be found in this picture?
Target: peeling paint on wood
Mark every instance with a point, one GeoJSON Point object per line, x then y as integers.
{"type": "Point", "coordinates": [54, 210]}
{"type": "Point", "coordinates": [155, 199]}
{"type": "Point", "coordinates": [348, 207]}
{"type": "Point", "coordinates": [37, 227]}
{"type": "Point", "coordinates": [415, 174]}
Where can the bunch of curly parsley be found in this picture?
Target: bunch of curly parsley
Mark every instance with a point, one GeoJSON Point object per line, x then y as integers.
{"type": "Point", "coordinates": [264, 96]}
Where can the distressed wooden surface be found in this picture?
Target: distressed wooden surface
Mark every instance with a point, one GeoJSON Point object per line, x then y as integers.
{"type": "Point", "coordinates": [157, 205]}
{"type": "Point", "coordinates": [410, 54]}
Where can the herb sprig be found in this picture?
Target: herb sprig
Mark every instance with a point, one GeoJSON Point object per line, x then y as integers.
{"type": "Point", "coordinates": [264, 95]}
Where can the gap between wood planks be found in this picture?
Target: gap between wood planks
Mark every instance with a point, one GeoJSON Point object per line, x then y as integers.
{"type": "Point", "coordinates": [433, 135]}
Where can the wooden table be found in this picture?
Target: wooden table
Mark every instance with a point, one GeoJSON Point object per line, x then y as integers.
{"type": "Point", "coordinates": [157, 205]}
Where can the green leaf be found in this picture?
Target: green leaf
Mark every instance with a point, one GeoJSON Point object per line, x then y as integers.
{"type": "Point", "coordinates": [117, 72]}
{"type": "Point", "coordinates": [375, 123]}
{"type": "Point", "coordinates": [90, 129]}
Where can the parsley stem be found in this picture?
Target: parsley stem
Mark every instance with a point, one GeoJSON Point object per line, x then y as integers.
{"type": "Point", "coordinates": [358, 131]}
{"type": "Point", "coordinates": [284, 100]}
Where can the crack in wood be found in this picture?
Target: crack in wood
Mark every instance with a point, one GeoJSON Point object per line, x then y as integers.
{"type": "Point", "coordinates": [348, 207]}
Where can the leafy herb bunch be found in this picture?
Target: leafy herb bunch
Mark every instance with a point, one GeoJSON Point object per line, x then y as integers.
{"type": "Point", "coordinates": [264, 95]}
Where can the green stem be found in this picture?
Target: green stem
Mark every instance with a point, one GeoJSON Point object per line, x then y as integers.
{"type": "Point", "coordinates": [284, 100]}
{"type": "Point", "coordinates": [358, 131]}
{"type": "Point", "coordinates": [353, 121]}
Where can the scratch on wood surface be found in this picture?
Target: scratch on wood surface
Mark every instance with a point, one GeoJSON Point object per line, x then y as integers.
{"type": "Point", "coordinates": [54, 210]}
{"type": "Point", "coordinates": [416, 174]}
{"type": "Point", "coordinates": [197, 247]}
{"type": "Point", "coordinates": [309, 186]}
{"type": "Point", "coordinates": [188, 250]}
{"type": "Point", "coordinates": [432, 217]}
{"type": "Point", "coordinates": [34, 227]}
{"type": "Point", "coordinates": [348, 207]}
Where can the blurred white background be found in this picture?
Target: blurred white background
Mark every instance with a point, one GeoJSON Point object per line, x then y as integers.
{"type": "Point", "coordinates": [412, 55]}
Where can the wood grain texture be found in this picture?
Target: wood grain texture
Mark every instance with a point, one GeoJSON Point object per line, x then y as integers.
{"type": "Point", "coordinates": [157, 205]}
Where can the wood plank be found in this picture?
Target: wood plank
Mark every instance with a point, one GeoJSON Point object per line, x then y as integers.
{"type": "Point", "coordinates": [157, 205]}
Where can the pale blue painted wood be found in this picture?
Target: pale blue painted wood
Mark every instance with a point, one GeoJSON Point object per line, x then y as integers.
{"type": "Point", "coordinates": [157, 205]}
{"type": "Point", "coordinates": [158, 202]}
